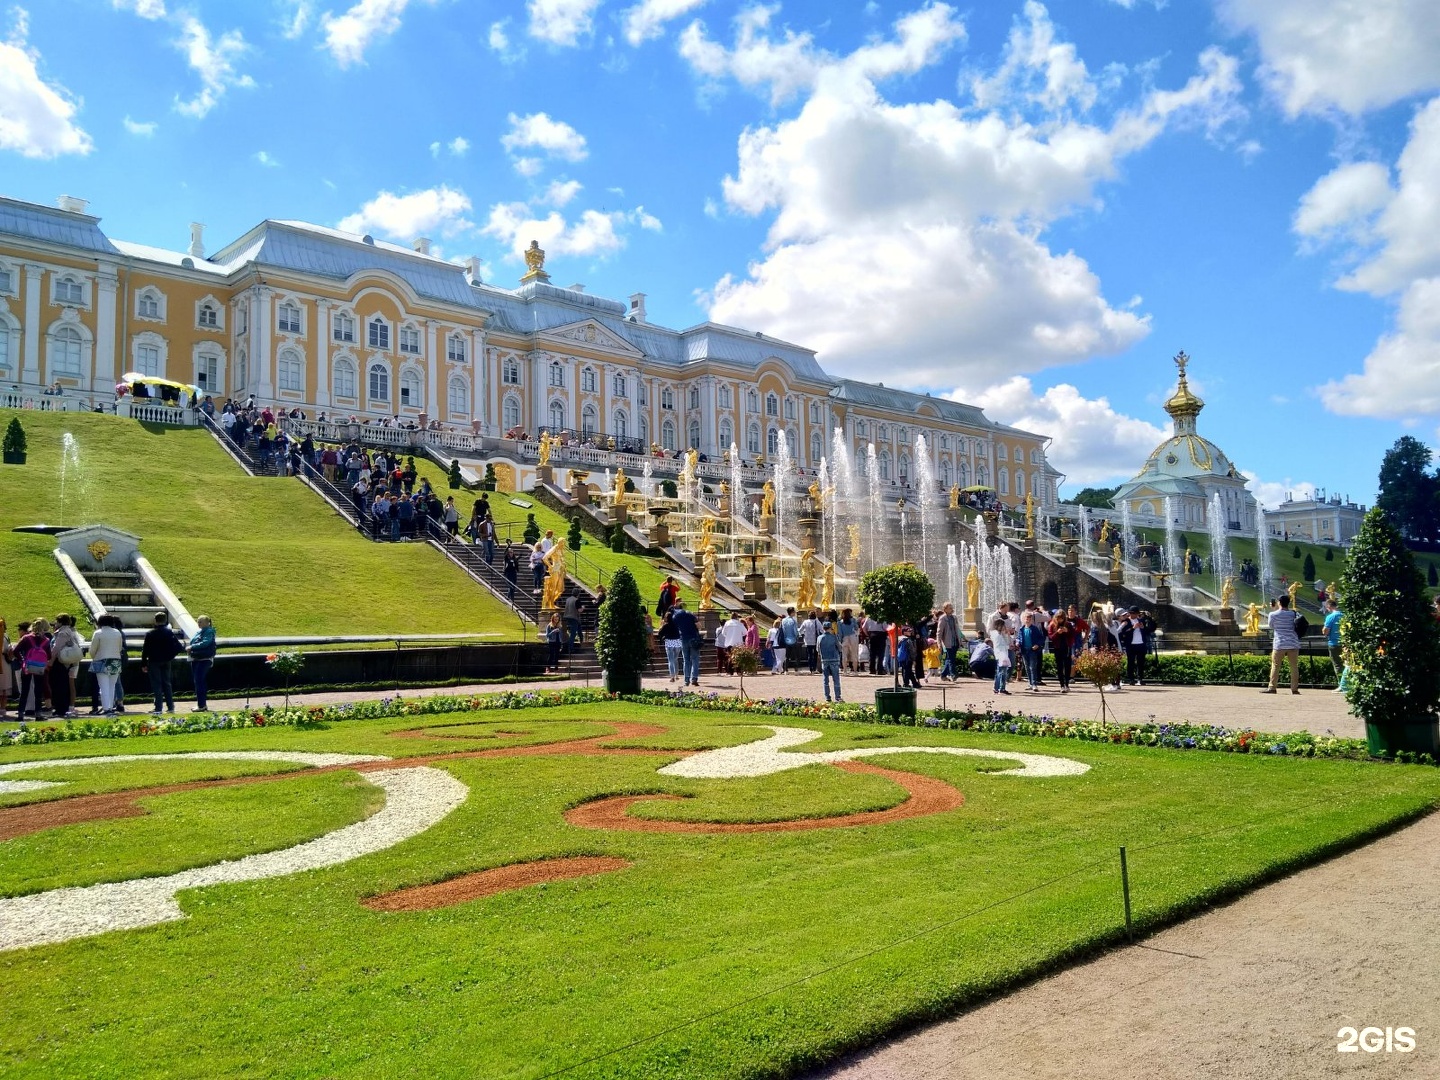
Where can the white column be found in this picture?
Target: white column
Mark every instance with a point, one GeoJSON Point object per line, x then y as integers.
{"type": "Point", "coordinates": [103, 372]}
{"type": "Point", "coordinates": [320, 332]}
{"type": "Point", "coordinates": [479, 381]}
{"type": "Point", "coordinates": [433, 369]}
{"type": "Point", "coordinates": [32, 331]}
{"type": "Point", "coordinates": [707, 416]}
{"type": "Point", "coordinates": [537, 392]}
{"type": "Point", "coordinates": [260, 337]}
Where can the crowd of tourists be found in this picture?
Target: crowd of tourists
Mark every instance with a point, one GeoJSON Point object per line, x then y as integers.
{"type": "Point", "coordinates": [48, 666]}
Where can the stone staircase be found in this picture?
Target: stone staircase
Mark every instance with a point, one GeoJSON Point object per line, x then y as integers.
{"type": "Point", "coordinates": [125, 596]}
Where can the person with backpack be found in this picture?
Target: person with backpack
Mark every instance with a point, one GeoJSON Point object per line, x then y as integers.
{"type": "Point", "coordinates": [690, 642]}
{"type": "Point", "coordinates": [666, 600]}
{"type": "Point", "coordinates": [35, 658]}
{"type": "Point", "coordinates": [7, 654]}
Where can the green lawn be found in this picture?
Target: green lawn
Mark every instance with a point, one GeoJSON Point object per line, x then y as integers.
{"type": "Point", "coordinates": [711, 956]}
{"type": "Point", "coordinates": [259, 555]}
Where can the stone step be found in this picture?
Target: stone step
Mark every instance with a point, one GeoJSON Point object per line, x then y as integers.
{"type": "Point", "coordinates": [122, 595]}
{"type": "Point", "coordinates": [135, 615]}
{"type": "Point", "coordinates": [104, 578]}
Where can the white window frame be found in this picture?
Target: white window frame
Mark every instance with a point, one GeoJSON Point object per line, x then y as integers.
{"type": "Point", "coordinates": [290, 371]}
{"type": "Point", "coordinates": [556, 413]}
{"type": "Point", "coordinates": [10, 285]}
{"type": "Point", "coordinates": [283, 325]}
{"type": "Point", "coordinates": [642, 394]}
{"type": "Point", "coordinates": [410, 385]}
{"type": "Point", "coordinates": [346, 365]}
{"type": "Point", "coordinates": [621, 424]}
{"type": "Point", "coordinates": [814, 413]}
{"type": "Point", "coordinates": [772, 440]}
{"type": "Point", "coordinates": [789, 408]}
{"type": "Point", "coordinates": [619, 385]}
{"type": "Point", "coordinates": [215, 307]}
{"type": "Point", "coordinates": [589, 421]}
{"type": "Point", "coordinates": [70, 281]}
{"type": "Point", "coordinates": [342, 327]}
{"type": "Point", "coordinates": [510, 374]}
{"type": "Point", "coordinates": [408, 339]}
{"type": "Point", "coordinates": [589, 384]}
{"type": "Point", "coordinates": [727, 434]}
{"type": "Point", "coordinates": [667, 435]}
{"type": "Point", "coordinates": [694, 397]}
{"type": "Point", "coordinates": [1002, 452]}
{"type": "Point", "coordinates": [723, 396]}
{"type": "Point", "coordinates": [667, 399]}
{"type": "Point", "coordinates": [693, 440]}
{"type": "Point", "coordinates": [151, 340]}
{"type": "Point", "coordinates": [752, 439]}
{"type": "Point", "coordinates": [208, 352]}
{"type": "Point", "coordinates": [456, 351]}
{"type": "Point", "coordinates": [557, 375]}
{"type": "Point", "coordinates": [457, 385]}
{"type": "Point", "coordinates": [752, 400]}
{"type": "Point", "coordinates": [154, 296]}
{"type": "Point", "coordinates": [816, 447]}
{"type": "Point", "coordinates": [510, 412]}
{"type": "Point", "coordinates": [772, 405]}
{"type": "Point", "coordinates": [372, 369]}
{"type": "Point", "coordinates": [377, 333]}
{"type": "Point", "coordinates": [9, 339]}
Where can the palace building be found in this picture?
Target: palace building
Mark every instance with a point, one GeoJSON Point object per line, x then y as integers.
{"type": "Point", "coordinates": [302, 315]}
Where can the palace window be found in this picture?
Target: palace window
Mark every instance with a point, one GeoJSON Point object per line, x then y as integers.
{"type": "Point", "coordinates": [667, 398]}
{"type": "Point", "coordinates": [65, 353]}
{"type": "Point", "coordinates": [644, 432]}
{"type": "Point", "coordinates": [752, 439]}
{"type": "Point", "coordinates": [207, 315]}
{"type": "Point", "coordinates": [410, 389]}
{"type": "Point", "coordinates": [290, 371]}
{"type": "Point", "coordinates": [814, 413]}
{"type": "Point", "coordinates": [510, 413]}
{"type": "Point", "coordinates": [752, 401]}
{"type": "Point", "coordinates": [68, 290]}
{"type": "Point", "coordinates": [727, 434]}
{"type": "Point", "coordinates": [1019, 453]}
{"type": "Point", "coordinates": [207, 373]}
{"type": "Point", "coordinates": [772, 442]}
{"type": "Point", "coordinates": [557, 373]}
{"type": "Point", "coordinates": [945, 473]}
{"type": "Point", "coordinates": [1002, 452]}
{"type": "Point", "coordinates": [589, 421]}
{"type": "Point", "coordinates": [884, 433]}
{"type": "Point", "coordinates": [620, 387]}
{"type": "Point", "coordinates": [149, 304]}
{"type": "Point", "coordinates": [344, 379]}
{"type": "Point", "coordinates": [772, 405]}
{"type": "Point", "coordinates": [7, 281]}
{"type": "Point", "coordinates": [621, 427]}
{"type": "Point", "coordinates": [1004, 477]}
{"type": "Point", "coordinates": [724, 397]}
{"type": "Point", "coordinates": [1019, 484]}
{"type": "Point", "coordinates": [694, 397]}
{"type": "Point", "coordinates": [642, 395]}
{"type": "Point", "coordinates": [288, 318]}
{"type": "Point", "coordinates": [667, 435]}
{"type": "Point", "coordinates": [904, 468]}
{"type": "Point", "coordinates": [789, 408]}
{"type": "Point", "coordinates": [860, 428]}
{"type": "Point", "coordinates": [884, 464]}
{"type": "Point", "coordinates": [587, 380]}
{"type": "Point", "coordinates": [459, 398]}
{"type": "Point", "coordinates": [510, 374]}
{"type": "Point", "coordinates": [815, 454]}
{"type": "Point", "coordinates": [962, 475]}
{"type": "Point", "coordinates": [5, 338]}
{"type": "Point", "coordinates": [379, 383]}
{"type": "Point", "coordinates": [342, 327]}
{"type": "Point", "coordinates": [695, 434]}
{"type": "Point", "coordinates": [557, 416]}
{"type": "Point", "coordinates": [379, 334]}
{"type": "Point", "coordinates": [455, 350]}
{"type": "Point", "coordinates": [410, 340]}
{"type": "Point", "coordinates": [1035, 456]}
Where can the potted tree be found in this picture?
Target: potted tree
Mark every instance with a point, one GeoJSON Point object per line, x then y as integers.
{"type": "Point", "coordinates": [14, 447]}
{"type": "Point", "coordinates": [900, 594]}
{"type": "Point", "coordinates": [1393, 642]}
{"type": "Point", "coordinates": [621, 642]}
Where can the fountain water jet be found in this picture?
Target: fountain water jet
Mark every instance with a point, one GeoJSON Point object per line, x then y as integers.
{"type": "Point", "coordinates": [925, 483]}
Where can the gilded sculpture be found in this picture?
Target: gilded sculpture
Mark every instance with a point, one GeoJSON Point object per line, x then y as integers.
{"type": "Point", "coordinates": [805, 595]}
{"type": "Point", "coordinates": [955, 497]}
{"type": "Point", "coordinates": [555, 576]}
{"type": "Point", "coordinates": [827, 587]}
{"type": "Point", "coordinates": [707, 529]}
{"type": "Point", "coordinates": [534, 259]}
{"type": "Point", "coordinates": [817, 497]}
{"type": "Point", "coordinates": [1227, 593]}
{"type": "Point", "coordinates": [854, 531]}
{"type": "Point", "coordinates": [620, 482]}
{"type": "Point", "coordinates": [767, 499]}
{"type": "Point", "coordinates": [972, 588]}
{"type": "Point", "coordinates": [707, 577]}
{"type": "Point", "coordinates": [1252, 621]}
{"type": "Point", "coordinates": [1115, 558]}
{"type": "Point", "coordinates": [1185, 567]}
{"type": "Point", "coordinates": [545, 444]}
{"type": "Point", "coordinates": [1105, 534]}
{"type": "Point", "coordinates": [1294, 591]}
{"type": "Point", "coordinates": [1029, 516]}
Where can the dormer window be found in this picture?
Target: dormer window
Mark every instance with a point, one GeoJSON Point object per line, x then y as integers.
{"type": "Point", "coordinates": [287, 320]}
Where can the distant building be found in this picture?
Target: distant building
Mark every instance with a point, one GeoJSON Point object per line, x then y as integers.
{"type": "Point", "coordinates": [1191, 471]}
{"type": "Point", "coordinates": [1317, 519]}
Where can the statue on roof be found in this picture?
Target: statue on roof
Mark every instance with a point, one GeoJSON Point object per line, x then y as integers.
{"type": "Point", "coordinates": [1181, 361]}
{"type": "Point", "coordinates": [535, 263]}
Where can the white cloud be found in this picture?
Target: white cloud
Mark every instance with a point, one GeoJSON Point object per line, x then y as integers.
{"type": "Point", "coordinates": [1351, 55]}
{"type": "Point", "coordinates": [1092, 444]}
{"type": "Point", "coordinates": [36, 117]}
{"type": "Point", "coordinates": [529, 166]}
{"type": "Point", "coordinates": [916, 230]}
{"type": "Point", "coordinates": [538, 131]}
{"type": "Point", "coordinates": [1271, 493]}
{"type": "Point", "coordinates": [439, 209]}
{"type": "Point", "coordinates": [293, 28]}
{"type": "Point", "coordinates": [1401, 376]}
{"type": "Point", "coordinates": [435, 149]}
{"type": "Point", "coordinates": [264, 158]}
{"type": "Point", "coordinates": [712, 208]}
{"type": "Point", "coordinates": [499, 42]}
{"type": "Point", "coordinates": [1344, 200]}
{"type": "Point", "coordinates": [143, 128]}
{"type": "Point", "coordinates": [560, 192]}
{"type": "Point", "coordinates": [1037, 67]}
{"type": "Point", "coordinates": [458, 145]}
{"type": "Point", "coordinates": [647, 19]}
{"type": "Point", "coordinates": [347, 36]}
{"type": "Point", "coordinates": [592, 233]}
{"type": "Point", "coordinates": [213, 59]}
{"type": "Point", "coordinates": [561, 22]}
{"type": "Point", "coordinates": [146, 9]}
{"type": "Point", "coordinates": [648, 221]}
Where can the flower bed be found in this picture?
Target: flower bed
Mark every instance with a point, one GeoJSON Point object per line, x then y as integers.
{"type": "Point", "coordinates": [1172, 736]}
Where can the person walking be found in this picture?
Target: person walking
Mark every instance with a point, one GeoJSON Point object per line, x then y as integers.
{"type": "Point", "coordinates": [1133, 638]}
{"type": "Point", "coordinates": [1032, 650]}
{"type": "Point", "coordinates": [947, 633]}
{"type": "Point", "coordinates": [554, 638]}
{"type": "Point", "coordinates": [810, 637]}
{"type": "Point", "coordinates": [690, 642]}
{"type": "Point", "coordinates": [670, 640]}
{"type": "Point", "coordinates": [1284, 645]}
{"type": "Point", "coordinates": [776, 642]}
{"type": "Point", "coordinates": [159, 649]}
{"type": "Point", "coordinates": [791, 629]}
{"type": "Point", "coordinates": [666, 600]}
{"type": "Point", "coordinates": [537, 567]}
{"type": "Point", "coordinates": [201, 648]}
{"type": "Point", "coordinates": [1332, 639]}
{"type": "Point", "coordinates": [512, 573]}
{"type": "Point", "coordinates": [732, 636]}
{"type": "Point", "coordinates": [107, 647]}
{"type": "Point", "coordinates": [451, 517]}
{"type": "Point", "coordinates": [827, 645]}
{"type": "Point", "coordinates": [571, 608]}
{"type": "Point", "coordinates": [7, 654]}
{"type": "Point", "coordinates": [1000, 643]}
{"type": "Point", "coordinates": [905, 659]}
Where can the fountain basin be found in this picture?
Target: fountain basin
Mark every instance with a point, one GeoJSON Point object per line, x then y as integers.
{"type": "Point", "coordinates": [44, 530]}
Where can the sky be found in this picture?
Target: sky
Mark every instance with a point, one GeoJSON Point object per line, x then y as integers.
{"type": "Point", "coordinates": [1031, 207]}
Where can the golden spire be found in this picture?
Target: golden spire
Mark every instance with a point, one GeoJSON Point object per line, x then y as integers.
{"type": "Point", "coordinates": [1183, 406]}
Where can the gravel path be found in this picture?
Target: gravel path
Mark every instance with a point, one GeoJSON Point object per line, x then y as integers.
{"type": "Point", "coordinates": [1256, 989]}
{"type": "Point", "coordinates": [415, 799]}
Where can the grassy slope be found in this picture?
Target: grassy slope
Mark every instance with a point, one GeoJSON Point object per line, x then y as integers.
{"type": "Point", "coordinates": [260, 556]}
{"type": "Point", "coordinates": [819, 924]}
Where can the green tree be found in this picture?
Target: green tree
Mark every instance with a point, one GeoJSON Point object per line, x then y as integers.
{"type": "Point", "coordinates": [489, 482]}
{"type": "Point", "coordinates": [1408, 494]}
{"type": "Point", "coordinates": [621, 640]}
{"type": "Point", "coordinates": [14, 437]}
{"type": "Point", "coordinates": [1308, 571]}
{"type": "Point", "coordinates": [531, 534]}
{"type": "Point", "coordinates": [617, 540]}
{"type": "Point", "coordinates": [1329, 554]}
{"type": "Point", "coordinates": [1295, 554]}
{"type": "Point", "coordinates": [454, 477]}
{"type": "Point", "coordinates": [1099, 498]}
{"type": "Point", "coordinates": [899, 593]}
{"type": "Point", "coordinates": [1393, 640]}
{"type": "Point", "coordinates": [573, 539]}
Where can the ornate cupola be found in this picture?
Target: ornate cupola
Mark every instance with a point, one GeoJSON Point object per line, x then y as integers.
{"type": "Point", "coordinates": [1183, 406]}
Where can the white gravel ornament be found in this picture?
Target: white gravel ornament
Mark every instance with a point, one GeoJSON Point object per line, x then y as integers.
{"type": "Point", "coordinates": [769, 756]}
{"type": "Point", "coordinates": [294, 757]}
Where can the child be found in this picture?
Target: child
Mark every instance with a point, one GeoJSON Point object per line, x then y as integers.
{"type": "Point", "coordinates": [1000, 642]}
{"type": "Point", "coordinates": [932, 659]}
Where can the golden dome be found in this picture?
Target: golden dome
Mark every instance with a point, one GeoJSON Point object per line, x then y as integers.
{"type": "Point", "coordinates": [1183, 403]}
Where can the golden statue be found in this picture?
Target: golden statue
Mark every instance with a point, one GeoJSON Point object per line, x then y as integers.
{"type": "Point", "coordinates": [955, 497]}
{"type": "Point", "coordinates": [1294, 592]}
{"type": "Point", "coordinates": [724, 490]}
{"type": "Point", "coordinates": [827, 587]}
{"type": "Point", "coordinates": [972, 588]}
{"type": "Point", "coordinates": [1227, 593]}
{"type": "Point", "coordinates": [805, 595]}
{"type": "Point", "coordinates": [854, 542]}
{"type": "Point", "coordinates": [817, 497]}
{"type": "Point", "coordinates": [1105, 533]}
{"type": "Point", "coordinates": [707, 577]}
{"type": "Point", "coordinates": [707, 529]}
{"type": "Point", "coordinates": [1252, 621]}
{"type": "Point", "coordinates": [535, 263]}
{"type": "Point", "coordinates": [1185, 567]}
{"type": "Point", "coordinates": [545, 444]}
{"type": "Point", "coordinates": [767, 499]}
{"type": "Point", "coordinates": [620, 482]}
{"type": "Point", "coordinates": [1029, 516]}
{"type": "Point", "coordinates": [555, 578]}
{"type": "Point", "coordinates": [1115, 557]}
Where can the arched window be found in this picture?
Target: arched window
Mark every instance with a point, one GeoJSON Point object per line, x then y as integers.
{"type": "Point", "coordinates": [587, 380]}
{"type": "Point", "coordinates": [815, 453]}
{"type": "Point", "coordinates": [884, 435]}
{"type": "Point", "coordinates": [860, 429]}
{"type": "Point", "coordinates": [1019, 484]}
{"type": "Point", "coordinates": [618, 383]}
{"type": "Point", "coordinates": [667, 435]}
{"type": "Point", "coordinates": [727, 434]}
{"type": "Point", "coordinates": [814, 413]}
{"type": "Point", "coordinates": [290, 371]}
{"type": "Point", "coordinates": [724, 397]}
{"type": "Point", "coordinates": [792, 443]}
{"type": "Point", "coordinates": [410, 339]}
{"type": "Point", "coordinates": [557, 416]}
{"type": "Point", "coordinates": [344, 379]}
{"type": "Point", "coordinates": [510, 373]}
{"type": "Point", "coordinates": [904, 468]}
{"type": "Point", "coordinates": [1019, 453]}
{"type": "Point", "coordinates": [65, 353]}
{"type": "Point", "coordinates": [589, 421]}
{"type": "Point", "coordinates": [1002, 452]}
{"type": "Point", "coordinates": [644, 428]}
{"type": "Point", "coordinates": [455, 350]}
{"type": "Point", "coordinates": [378, 333]}
{"type": "Point", "coordinates": [884, 464]}
{"type": "Point", "coordinates": [379, 383]}
{"type": "Point", "coordinates": [207, 315]}
{"type": "Point", "coordinates": [945, 472]}
{"type": "Point", "coordinates": [1004, 477]}
{"type": "Point", "coordinates": [694, 397]}
{"type": "Point", "coordinates": [5, 339]}
{"type": "Point", "coordinates": [962, 475]}
{"type": "Point", "coordinates": [410, 388]}
{"type": "Point", "coordinates": [342, 326]}
{"type": "Point", "coordinates": [150, 303]}
{"type": "Point", "coordinates": [621, 428]}
{"type": "Point", "coordinates": [752, 439]}
{"type": "Point", "coordinates": [772, 442]}
{"type": "Point", "coordinates": [510, 413]}
{"type": "Point", "coordinates": [68, 290]}
{"type": "Point", "coordinates": [695, 434]}
{"type": "Point", "coordinates": [772, 405]}
{"type": "Point", "coordinates": [287, 318]}
{"type": "Point", "coordinates": [459, 398]}
{"type": "Point", "coordinates": [1039, 491]}
{"type": "Point", "coordinates": [982, 476]}
{"type": "Point", "coordinates": [557, 373]}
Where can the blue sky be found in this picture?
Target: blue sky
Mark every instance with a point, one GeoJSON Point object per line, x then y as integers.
{"type": "Point", "coordinates": [1031, 207]}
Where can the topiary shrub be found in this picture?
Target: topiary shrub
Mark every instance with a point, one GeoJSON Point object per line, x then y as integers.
{"type": "Point", "coordinates": [669, 489]}
{"type": "Point", "coordinates": [489, 482]}
{"type": "Point", "coordinates": [621, 641]}
{"type": "Point", "coordinates": [1329, 554]}
{"type": "Point", "coordinates": [1307, 572]}
{"type": "Point", "coordinates": [14, 445]}
{"type": "Point", "coordinates": [531, 534]}
{"type": "Point", "coordinates": [1393, 641]}
{"type": "Point", "coordinates": [899, 593]}
{"type": "Point", "coordinates": [1296, 553]}
{"type": "Point", "coordinates": [573, 539]}
{"type": "Point", "coordinates": [617, 540]}
{"type": "Point", "coordinates": [454, 477]}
